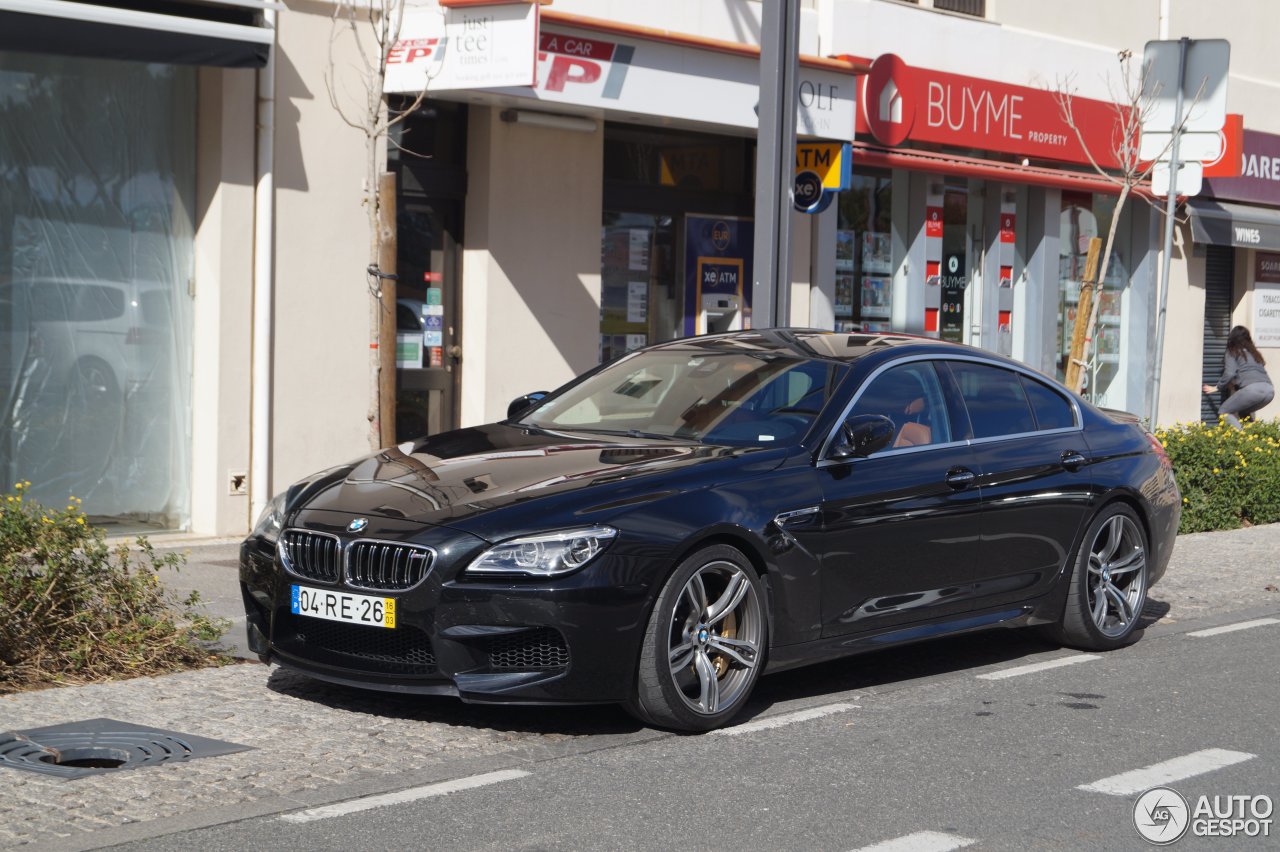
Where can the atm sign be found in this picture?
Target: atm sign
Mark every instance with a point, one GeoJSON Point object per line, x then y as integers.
{"type": "Point", "coordinates": [830, 161]}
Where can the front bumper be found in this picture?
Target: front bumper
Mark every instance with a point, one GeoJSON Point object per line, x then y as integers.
{"type": "Point", "coordinates": [572, 640]}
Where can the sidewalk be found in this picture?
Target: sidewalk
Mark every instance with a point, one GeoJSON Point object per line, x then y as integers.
{"type": "Point", "coordinates": [313, 743]}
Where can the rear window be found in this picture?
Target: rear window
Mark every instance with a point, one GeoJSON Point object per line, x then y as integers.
{"type": "Point", "coordinates": [995, 399]}
{"type": "Point", "coordinates": [1051, 409]}
{"type": "Point", "coordinates": [60, 302]}
{"type": "Point", "coordinates": [154, 305]}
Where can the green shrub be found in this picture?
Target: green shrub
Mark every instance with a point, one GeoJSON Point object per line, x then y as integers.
{"type": "Point", "coordinates": [73, 609]}
{"type": "Point", "coordinates": [1228, 478]}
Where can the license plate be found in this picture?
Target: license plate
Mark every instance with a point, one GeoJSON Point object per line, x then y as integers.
{"type": "Point", "coordinates": [341, 606]}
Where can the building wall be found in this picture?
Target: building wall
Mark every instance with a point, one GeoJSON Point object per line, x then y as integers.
{"type": "Point", "coordinates": [531, 266]}
{"type": "Point", "coordinates": [321, 359]}
{"type": "Point", "coordinates": [223, 298]}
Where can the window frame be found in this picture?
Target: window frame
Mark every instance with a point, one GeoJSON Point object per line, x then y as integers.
{"type": "Point", "coordinates": [951, 392]}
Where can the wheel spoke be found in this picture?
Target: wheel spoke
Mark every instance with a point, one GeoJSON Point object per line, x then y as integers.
{"type": "Point", "coordinates": [708, 683]}
{"type": "Point", "coordinates": [1124, 610]}
{"type": "Point", "coordinates": [743, 653]}
{"type": "Point", "coordinates": [681, 656]}
{"type": "Point", "coordinates": [697, 594]}
{"type": "Point", "coordinates": [1099, 605]}
{"type": "Point", "coordinates": [1134, 561]}
{"type": "Point", "coordinates": [1113, 534]}
{"type": "Point", "coordinates": [734, 592]}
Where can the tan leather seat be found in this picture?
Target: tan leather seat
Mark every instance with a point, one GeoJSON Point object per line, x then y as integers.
{"type": "Point", "coordinates": [913, 435]}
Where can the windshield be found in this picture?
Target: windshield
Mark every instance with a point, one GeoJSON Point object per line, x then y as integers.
{"type": "Point", "coordinates": [734, 398]}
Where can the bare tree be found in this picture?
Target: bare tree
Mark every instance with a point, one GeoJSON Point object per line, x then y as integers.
{"type": "Point", "coordinates": [356, 94]}
{"type": "Point", "coordinates": [1132, 105]}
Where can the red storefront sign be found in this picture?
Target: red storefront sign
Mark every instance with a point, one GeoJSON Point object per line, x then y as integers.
{"type": "Point", "coordinates": [900, 103]}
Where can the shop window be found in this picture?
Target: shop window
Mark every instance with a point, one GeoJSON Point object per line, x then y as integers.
{"type": "Point", "coordinates": [864, 264]}
{"type": "Point", "coordinates": [976, 8]}
{"type": "Point", "coordinates": [96, 212]}
{"type": "Point", "coordinates": [1084, 217]}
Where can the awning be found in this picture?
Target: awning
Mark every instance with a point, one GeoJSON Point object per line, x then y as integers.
{"type": "Point", "coordinates": [223, 33]}
{"type": "Point", "coordinates": [1223, 224]}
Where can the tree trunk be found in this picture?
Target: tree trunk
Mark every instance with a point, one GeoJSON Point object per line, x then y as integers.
{"type": "Point", "coordinates": [1084, 308]}
{"type": "Point", "coordinates": [1102, 275]}
{"type": "Point", "coordinates": [387, 327]}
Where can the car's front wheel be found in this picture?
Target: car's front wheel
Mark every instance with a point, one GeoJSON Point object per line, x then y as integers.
{"type": "Point", "coordinates": [1108, 584]}
{"type": "Point", "coordinates": [705, 643]}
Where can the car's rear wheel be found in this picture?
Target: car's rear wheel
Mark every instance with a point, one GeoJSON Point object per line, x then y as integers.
{"type": "Point", "coordinates": [705, 643]}
{"type": "Point", "coordinates": [1108, 584]}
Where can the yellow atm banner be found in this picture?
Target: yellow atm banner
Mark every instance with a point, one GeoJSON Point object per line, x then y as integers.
{"type": "Point", "coordinates": [830, 161]}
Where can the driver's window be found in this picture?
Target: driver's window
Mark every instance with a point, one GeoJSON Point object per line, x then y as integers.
{"type": "Point", "coordinates": [911, 396]}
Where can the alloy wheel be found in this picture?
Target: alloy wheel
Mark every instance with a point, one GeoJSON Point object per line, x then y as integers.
{"type": "Point", "coordinates": [1117, 578]}
{"type": "Point", "coordinates": [715, 637]}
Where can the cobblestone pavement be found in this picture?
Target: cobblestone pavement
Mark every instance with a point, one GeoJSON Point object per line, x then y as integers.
{"type": "Point", "coordinates": [308, 736]}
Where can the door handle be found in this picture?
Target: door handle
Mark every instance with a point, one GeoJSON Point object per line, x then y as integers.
{"type": "Point", "coordinates": [960, 478]}
{"type": "Point", "coordinates": [1073, 460]}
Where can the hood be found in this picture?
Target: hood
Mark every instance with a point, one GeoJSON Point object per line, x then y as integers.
{"type": "Point", "coordinates": [449, 478]}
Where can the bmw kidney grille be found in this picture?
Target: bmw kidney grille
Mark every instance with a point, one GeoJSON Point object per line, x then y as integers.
{"type": "Point", "coordinates": [369, 564]}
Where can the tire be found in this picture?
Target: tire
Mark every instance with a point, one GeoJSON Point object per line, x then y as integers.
{"type": "Point", "coordinates": [1108, 583]}
{"type": "Point", "coordinates": [705, 644]}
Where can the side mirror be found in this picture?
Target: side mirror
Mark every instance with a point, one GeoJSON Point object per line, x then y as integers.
{"type": "Point", "coordinates": [860, 436]}
{"type": "Point", "coordinates": [521, 404]}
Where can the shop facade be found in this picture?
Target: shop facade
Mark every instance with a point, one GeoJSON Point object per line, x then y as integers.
{"type": "Point", "coordinates": [543, 229]}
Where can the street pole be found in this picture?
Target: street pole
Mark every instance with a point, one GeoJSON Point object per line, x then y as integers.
{"type": "Point", "coordinates": [775, 163]}
{"type": "Point", "coordinates": [1175, 167]}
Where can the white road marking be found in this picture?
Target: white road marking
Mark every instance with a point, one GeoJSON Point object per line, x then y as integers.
{"type": "Point", "coordinates": [786, 719]}
{"type": "Point", "coordinates": [1038, 667]}
{"type": "Point", "coordinates": [400, 797]}
{"type": "Point", "coordinates": [1196, 763]}
{"type": "Point", "coordinates": [1231, 628]}
{"type": "Point", "coordinates": [921, 841]}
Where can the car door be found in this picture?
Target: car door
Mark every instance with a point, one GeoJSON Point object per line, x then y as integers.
{"type": "Point", "coordinates": [900, 528]}
{"type": "Point", "coordinates": [1032, 466]}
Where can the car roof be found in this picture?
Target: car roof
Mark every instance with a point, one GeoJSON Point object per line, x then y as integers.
{"type": "Point", "coordinates": [818, 344]}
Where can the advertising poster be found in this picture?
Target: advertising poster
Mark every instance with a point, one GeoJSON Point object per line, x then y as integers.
{"type": "Point", "coordinates": [844, 296]}
{"type": "Point", "coordinates": [877, 295]}
{"type": "Point", "coordinates": [717, 261]}
{"type": "Point", "coordinates": [954, 282]}
{"type": "Point", "coordinates": [845, 245]}
{"type": "Point", "coordinates": [876, 248]}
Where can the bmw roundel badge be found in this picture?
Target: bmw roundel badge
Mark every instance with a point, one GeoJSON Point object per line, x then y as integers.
{"type": "Point", "coordinates": [358, 525]}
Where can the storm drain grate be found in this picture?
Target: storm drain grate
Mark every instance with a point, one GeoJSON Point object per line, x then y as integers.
{"type": "Point", "coordinates": [94, 746]}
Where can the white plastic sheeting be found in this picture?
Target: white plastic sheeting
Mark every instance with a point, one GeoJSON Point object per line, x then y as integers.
{"type": "Point", "coordinates": [97, 178]}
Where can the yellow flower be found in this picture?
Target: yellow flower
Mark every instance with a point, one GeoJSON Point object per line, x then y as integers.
{"type": "Point", "coordinates": [1215, 470]}
{"type": "Point", "coordinates": [79, 520]}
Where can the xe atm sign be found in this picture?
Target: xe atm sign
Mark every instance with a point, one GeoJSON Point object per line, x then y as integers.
{"type": "Point", "coordinates": [903, 103]}
{"type": "Point", "coordinates": [633, 76]}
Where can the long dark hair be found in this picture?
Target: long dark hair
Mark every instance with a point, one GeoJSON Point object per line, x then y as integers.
{"type": "Point", "coordinates": [1239, 341]}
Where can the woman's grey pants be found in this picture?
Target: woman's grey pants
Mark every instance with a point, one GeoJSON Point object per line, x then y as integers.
{"type": "Point", "coordinates": [1245, 401]}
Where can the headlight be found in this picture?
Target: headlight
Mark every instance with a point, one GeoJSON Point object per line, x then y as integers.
{"type": "Point", "coordinates": [271, 519]}
{"type": "Point", "coordinates": [544, 555]}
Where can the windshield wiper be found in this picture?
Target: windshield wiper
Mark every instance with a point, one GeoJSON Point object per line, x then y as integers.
{"type": "Point", "coordinates": [628, 433]}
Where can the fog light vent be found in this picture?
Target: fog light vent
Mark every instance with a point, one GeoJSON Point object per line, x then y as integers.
{"type": "Point", "coordinates": [94, 746]}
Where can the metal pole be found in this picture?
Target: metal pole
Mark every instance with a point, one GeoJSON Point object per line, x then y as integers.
{"type": "Point", "coordinates": [775, 163]}
{"type": "Point", "coordinates": [263, 285]}
{"type": "Point", "coordinates": [1174, 168]}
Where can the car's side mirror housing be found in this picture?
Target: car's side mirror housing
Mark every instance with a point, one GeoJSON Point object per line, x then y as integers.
{"type": "Point", "coordinates": [521, 404]}
{"type": "Point", "coordinates": [860, 436]}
